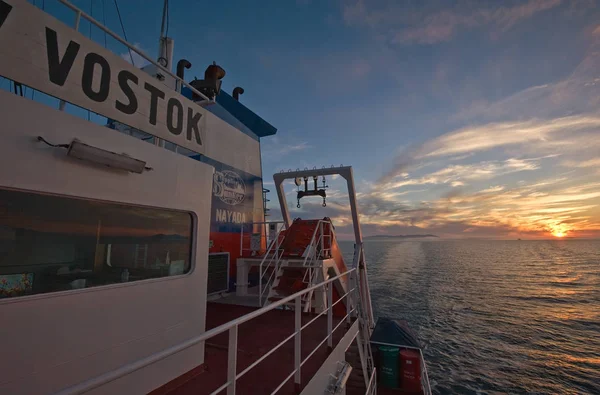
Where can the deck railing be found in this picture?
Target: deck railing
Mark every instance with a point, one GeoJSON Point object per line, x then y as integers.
{"type": "Point", "coordinates": [264, 235]}
{"type": "Point", "coordinates": [272, 257]}
{"type": "Point", "coordinates": [272, 260]}
{"type": "Point", "coordinates": [316, 248]}
{"type": "Point", "coordinates": [372, 386]}
{"type": "Point", "coordinates": [232, 328]}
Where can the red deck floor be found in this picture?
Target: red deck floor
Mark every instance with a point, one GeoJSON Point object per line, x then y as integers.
{"type": "Point", "coordinates": [255, 338]}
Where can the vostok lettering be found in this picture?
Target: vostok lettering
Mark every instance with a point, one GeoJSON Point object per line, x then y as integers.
{"type": "Point", "coordinates": [96, 76]}
{"type": "Point", "coordinates": [174, 105]}
{"type": "Point", "coordinates": [155, 94]}
{"type": "Point", "coordinates": [58, 70]}
{"type": "Point", "coordinates": [5, 9]}
{"type": "Point", "coordinates": [87, 79]}
{"type": "Point", "coordinates": [192, 126]}
{"type": "Point", "coordinates": [124, 77]}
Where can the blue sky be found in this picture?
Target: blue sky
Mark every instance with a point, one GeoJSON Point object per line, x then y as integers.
{"type": "Point", "coordinates": [460, 118]}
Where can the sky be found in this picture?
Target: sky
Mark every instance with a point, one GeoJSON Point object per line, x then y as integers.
{"type": "Point", "coordinates": [460, 118]}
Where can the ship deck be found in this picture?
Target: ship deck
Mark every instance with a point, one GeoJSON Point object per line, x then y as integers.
{"type": "Point", "coordinates": [255, 338]}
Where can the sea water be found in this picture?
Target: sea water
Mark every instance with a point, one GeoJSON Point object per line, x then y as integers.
{"type": "Point", "coordinates": [495, 316]}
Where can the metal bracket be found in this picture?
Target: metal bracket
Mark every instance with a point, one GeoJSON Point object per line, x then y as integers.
{"type": "Point", "coordinates": [340, 378]}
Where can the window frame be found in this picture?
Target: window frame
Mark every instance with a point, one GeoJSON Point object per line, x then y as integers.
{"type": "Point", "coordinates": [103, 288]}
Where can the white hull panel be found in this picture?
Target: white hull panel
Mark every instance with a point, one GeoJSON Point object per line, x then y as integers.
{"type": "Point", "coordinates": [107, 326]}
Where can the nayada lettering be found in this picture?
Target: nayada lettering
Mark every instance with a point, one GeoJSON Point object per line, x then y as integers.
{"type": "Point", "coordinates": [59, 68]}
{"type": "Point", "coordinates": [233, 217]}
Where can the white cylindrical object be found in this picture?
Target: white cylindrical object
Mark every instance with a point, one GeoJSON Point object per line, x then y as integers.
{"type": "Point", "coordinates": [165, 51]}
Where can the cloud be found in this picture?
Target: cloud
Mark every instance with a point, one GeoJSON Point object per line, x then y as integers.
{"type": "Point", "coordinates": [485, 137]}
{"type": "Point", "coordinates": [536, 211]}
{"type": "Point", "coordinates": [459, 175]}
{"type": "Point", "coordinates": [548, 133]}
{"type": "Point", "coordinates": [406, 25]}
{"type": "Point", "coordinates": [521, 165]}
{"type": "Point", "coordinates": [136, 58]}
{"type": "Point", "coordinates": [582, 164]}
{"type": "Point", "coordinates": [497, 188]}
{"type": "Point", "coordinates": [578, 93]}
{"type": "Point", "coordinates": [530, 209]}
{"type": "Point", "coordinates": [275, 148]}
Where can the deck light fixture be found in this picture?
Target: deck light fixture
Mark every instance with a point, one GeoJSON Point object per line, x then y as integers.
{"type": "Point", "coordinates": [79, 150]}
{"type": "Point", "coordinates": [82, 151]}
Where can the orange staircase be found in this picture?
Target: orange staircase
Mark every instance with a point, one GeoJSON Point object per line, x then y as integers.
{"type": "Point", "coordinates": [293, 277]}
{"type": "Point", "coordinates": [289, 281]}
{"type": "Point", "coordinates": [299, 235]}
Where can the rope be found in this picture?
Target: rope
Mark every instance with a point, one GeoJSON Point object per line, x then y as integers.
{"type": "Point", "coordinates": [104, 20]}
{"type": "Point", "coordinates": [123, 28]}
{"type": "Point", "coordinates": [165, 20]}
{"type": "Point", "coordinates": [167, 30]}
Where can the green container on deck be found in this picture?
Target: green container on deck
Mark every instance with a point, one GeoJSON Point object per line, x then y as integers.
{"type": "Point", "coordinates": [388, 362]}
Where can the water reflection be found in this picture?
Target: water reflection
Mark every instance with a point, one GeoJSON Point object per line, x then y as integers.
{"type": "Point", "coordinates": [496, 316]}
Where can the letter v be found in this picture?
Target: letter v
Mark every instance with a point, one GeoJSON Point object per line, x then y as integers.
{"type": "Point", "coordinates": [58, 70]}
{"type": "Point", "coordinates": [4, 11]}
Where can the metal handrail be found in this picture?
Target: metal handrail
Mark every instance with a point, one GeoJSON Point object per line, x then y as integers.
{"type": "Point", "coordinates": [372, 387]}
{"type": "Point", "coordinates": [81, 13]}
{"type": "Point", "coordinates": [312, 275]}
{"type": "Point", "coordinates": [313, 240]}
{"type": "Point", "coordinates": [359, 262]}
{"type": "Point", "coordinates": [262, 262]}
{"type": "Point", "coordinates": [242, 249]}
{"type": "Point", "coordinates": [272, 276]}
{"type": "Point", "coordinates": [425, 377]}
{"type": "Point", "coordinates": [230, 326]}
{"type": "Point", "coordinates": [312, 254]}
{"type": "Point", "coordinates": [277, 255]}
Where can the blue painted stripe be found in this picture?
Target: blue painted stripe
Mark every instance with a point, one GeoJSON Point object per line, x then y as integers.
{"type": "Point", "coordinates": [237, 115]}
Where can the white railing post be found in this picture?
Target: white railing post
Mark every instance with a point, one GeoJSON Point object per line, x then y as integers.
{"type": "Point", "coordinates": [363, 358]}
{"type": "Point", "coordinates": [329, 316]}
{"type": "Point", "coordinates": [298, 343]}
{"type": "Point", "coordinates": [321, 239]}
{"type": "Point", "coordinates": [232, 360]}
{"type": "Point", "coordinates": [331, 239]}
{"type": "Point", "coordinates": [349, 302]}
{"type": "Point", "coordinates": [242, 240]}
{"type": "Point", "coordinates": [272, 257]}
{"type": "Point", "coordinates": [312, 247]}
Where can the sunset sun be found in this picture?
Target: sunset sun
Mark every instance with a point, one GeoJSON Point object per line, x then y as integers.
{"type": "Point", "coordinates": [559, 234]}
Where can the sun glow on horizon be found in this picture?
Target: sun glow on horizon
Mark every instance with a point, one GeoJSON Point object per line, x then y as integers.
{"type": "Point", "coordinates": [559, 234]}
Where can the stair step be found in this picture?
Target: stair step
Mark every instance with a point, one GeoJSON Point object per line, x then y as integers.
{"type": "Point", "coordinates": [357, 381]}
{"type": "Point", "coordinates": [289, 278]}
{"type": "Point", "coordinates": [287, 290]}
{"type": "Point", "coordinates": [292, 272]}
{"type": "Point", "coordinates": [274, 299]}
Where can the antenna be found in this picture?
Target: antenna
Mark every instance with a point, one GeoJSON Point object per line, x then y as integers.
{"type": "Point", "coordinates": [165, 20]}
{"type": "Point", "coordinates": [165, 44]}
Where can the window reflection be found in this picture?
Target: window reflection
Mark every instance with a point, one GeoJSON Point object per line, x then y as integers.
{"type": "Point", "coordinates": [54, 243]}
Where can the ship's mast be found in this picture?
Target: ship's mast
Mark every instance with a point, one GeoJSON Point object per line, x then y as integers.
{"type": "Point", "coordinates": [165, 50]}
{"type": "Point", "coordinates": [165, 43]}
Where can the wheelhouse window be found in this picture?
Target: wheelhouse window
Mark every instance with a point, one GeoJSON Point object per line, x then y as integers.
{"type": "Point", "coordinates": [54, 243]}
